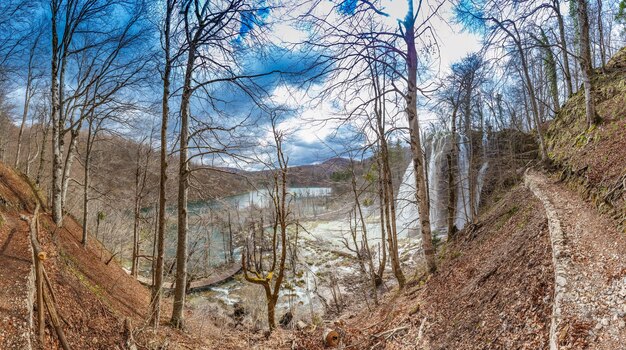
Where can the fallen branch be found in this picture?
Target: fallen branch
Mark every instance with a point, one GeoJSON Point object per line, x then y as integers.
{"type": "Point", "coordinates": [44, 296]}
{"type": "Point", "coordinates": [390, 332]}
{"type": "Point", "coordinates": [111, 258]}
{"type": "Point", "coordinates": [54, 299]}
{"type": "Point", "coordinates": [54, 317]}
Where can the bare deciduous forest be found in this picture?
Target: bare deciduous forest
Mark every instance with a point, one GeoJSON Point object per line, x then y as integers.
{"type": "Point", "coordinates": [350, 174]}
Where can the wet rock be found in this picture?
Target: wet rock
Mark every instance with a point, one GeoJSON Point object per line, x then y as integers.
{"type": "Point", "coordinates": [286, 319]}
{"type": "Point", "coordinates": [300, 325]}
{"type": "Point", "coordinates": [239, 313]}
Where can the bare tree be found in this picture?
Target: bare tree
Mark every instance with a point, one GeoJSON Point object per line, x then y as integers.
{"type": "Point", "coordinates": [409, 32]}
{"type": "Point", "coordinates": [510, 28]}
{"type": "Point", "coordinates": [550, 69]}
{"type": "Point", "coordinates": [91, 60]}
{"type": "Point", "coordinates": [29, 91]}
{"type": "Point", "coordinates": [166, 39]}
{"type": "Point", "coordinates": [208, 32]}
{"type": "Point", "coordinates": [567, 75]}
{"type": "Point", "coordinates": [354, 40]}
{"type": "Point", "coordinates": [144, 154]}
{"type": "Point", "coordinates": [272, 279]}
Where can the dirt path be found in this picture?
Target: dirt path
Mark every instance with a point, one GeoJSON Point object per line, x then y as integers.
{"type": "Point", "coordinates": [15, 270]}
{"type": "Point", "coordinates": [589, 255]}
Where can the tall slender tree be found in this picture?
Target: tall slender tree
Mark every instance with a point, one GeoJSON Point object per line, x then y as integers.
{"type": "Point", "coordinates": [586, 61]}
{"type": "Point", "coordinates": [166, 40]}
{"type": "Point", "coordinates": [408, 32]}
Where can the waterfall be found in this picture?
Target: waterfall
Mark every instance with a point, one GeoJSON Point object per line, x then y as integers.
{"type": "Point", "coordinates": [437, 147]}
{"type": "Point", "coordinates": [480, 181]}
{"type": "Point", "coordinates": [462, 191]}
{"type": "Point", "coordinates": [407, 217]}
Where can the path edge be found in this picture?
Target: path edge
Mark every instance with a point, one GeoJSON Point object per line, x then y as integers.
{"type": "Point", "coordinates": [559, 262]}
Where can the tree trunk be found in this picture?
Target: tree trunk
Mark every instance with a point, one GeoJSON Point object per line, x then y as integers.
{"type": "Point", "coordinates": [533, 102]}
{"type": "Point", "coordinates": [416, 147]}
{"type": "Point", "coordinates": [550, 67]}
{"type": "Point", "coordinates": [86, 181]}
{"type": "Point", "coordinates": [601, 35]}
{"type": "Point", "coordinates": [452, 159]}
{"type": "Point", "coordinates": [183, 185]}
{"type": "Point", "coordinates": [42, 152]}
{"type": "Point", "coordinates": [271, 310]}
{"type": "Point", "coordinates": [230, 240]}
{"type": "Point", "coordinates": [69, 161]}
{"type": "Point", "coordinates": [30, 158]}
{"type": "Point", "coordinates": [379, 111]}
{"type": "Point", "coordinates": [57, 140]}
{"type": "Point", "coordinates": [364, 241]}
{"type": "Point", "coordinates": [471, 168]}
{"type": "Point", "coordinates": [27, 96]}
{"type": "Point", "coordinates": [140, 181]}
{"type": "Point", "coordinates": [383, 220]}
{"type": "Point", "coordinates": [155, 300]}
{"type": "Point", "coordinates": [566, 70]}
{"type": "Point", "coordinates": [135, 258]}
{"type": "Point", "coordinates": [392, 232]}
{"type": "Point", "coordinates": [585, 61]}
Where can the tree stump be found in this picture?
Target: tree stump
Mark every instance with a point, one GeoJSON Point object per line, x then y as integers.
{"type": "Point", "coordinates": [331, 338]}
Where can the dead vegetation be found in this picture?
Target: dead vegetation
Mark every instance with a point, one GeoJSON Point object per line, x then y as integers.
{"type": "Point", "coordinates": [93, 299]}
{"type": "Point", "coordinates": [592, 159]}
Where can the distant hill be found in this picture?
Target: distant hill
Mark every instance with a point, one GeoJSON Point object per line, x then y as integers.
{"type": "Point", "coordinates": [318, 174]}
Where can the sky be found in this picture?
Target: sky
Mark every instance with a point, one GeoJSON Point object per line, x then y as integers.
{"type": "Point", "coordinates": [311, 141]}
{"type": "Point", "coordinates": [310, 136]}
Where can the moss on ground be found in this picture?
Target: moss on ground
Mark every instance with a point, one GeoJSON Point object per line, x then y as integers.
{"type": "Point", "coordinates": [593, 158]}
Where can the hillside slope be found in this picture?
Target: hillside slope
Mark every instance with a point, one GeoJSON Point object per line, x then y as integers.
{"type": "Point", "coordinates": [594, 159]}
{"type": "Point", "coordinates": [95, 296]}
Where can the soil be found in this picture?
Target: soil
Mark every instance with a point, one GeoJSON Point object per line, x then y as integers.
{"type": "Point", "coordinates": [594, 271]}
{"type": "Point", "coordinates": [15, 262]}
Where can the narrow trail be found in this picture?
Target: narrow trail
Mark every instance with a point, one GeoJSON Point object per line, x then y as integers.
{"type": "Point", "coordinates": [589, 256]}
{"type": "Point", "coordinates": [15, 284]}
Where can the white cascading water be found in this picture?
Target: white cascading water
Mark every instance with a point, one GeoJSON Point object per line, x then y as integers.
{"type": "Point", "coordinates": [480, 181]}
{"type": "Point", "coordinates": [407, 216]}
{"type": "Point", "coordinates": [462, 192]}
{"type": "Point", "coordinates": [438, 150]}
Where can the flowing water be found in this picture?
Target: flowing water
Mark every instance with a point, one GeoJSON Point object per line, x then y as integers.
{"type": "Point", "coordinates": [437, 148]}
{"type": "Point", "coordinates": [209, 231]}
